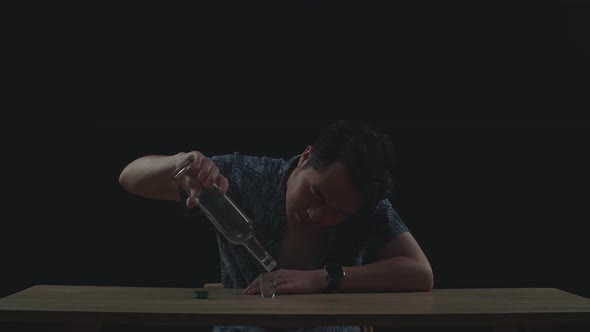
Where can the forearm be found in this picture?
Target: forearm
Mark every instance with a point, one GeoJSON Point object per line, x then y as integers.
{"type": "Point", "coordinates": [393, 274]}
{"type": "Point", "coordinates": [148, 176]}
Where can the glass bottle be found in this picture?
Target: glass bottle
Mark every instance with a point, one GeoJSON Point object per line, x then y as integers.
{"type": "Point", "coordinates": [226, 216]}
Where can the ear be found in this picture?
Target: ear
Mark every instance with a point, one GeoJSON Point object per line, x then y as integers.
{"type": "Point", "coordinates": [305, 155]}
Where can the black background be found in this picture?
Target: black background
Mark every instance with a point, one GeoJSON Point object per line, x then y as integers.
{"type": "Point", "coordinates": [485, 102]}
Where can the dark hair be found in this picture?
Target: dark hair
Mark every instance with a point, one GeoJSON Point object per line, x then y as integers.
{"type": "Point", "coordinates": [367, 154]}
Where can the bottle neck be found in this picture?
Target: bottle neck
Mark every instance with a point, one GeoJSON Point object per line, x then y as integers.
{"type": "Point", "coordinates": [258, 251]}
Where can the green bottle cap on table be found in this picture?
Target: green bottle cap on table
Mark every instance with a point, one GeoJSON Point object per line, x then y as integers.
{"type": "Point", "coordinates": [201, 294]}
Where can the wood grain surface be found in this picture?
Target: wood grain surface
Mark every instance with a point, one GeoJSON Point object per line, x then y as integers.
{"type": "Point", "coordinates": [177, 306]}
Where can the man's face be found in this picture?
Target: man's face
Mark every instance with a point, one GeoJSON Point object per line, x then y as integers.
{"type": "Point", "coordinates": [318, 199]}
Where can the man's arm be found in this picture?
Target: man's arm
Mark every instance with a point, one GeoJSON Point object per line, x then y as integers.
{"type": "Point", "coordinates": [401, 266]}
{"type": "Point", "coordinates": [151, 177]}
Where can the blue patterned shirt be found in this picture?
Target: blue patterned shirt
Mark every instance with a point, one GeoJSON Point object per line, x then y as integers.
{"type": "Point", "coordinates": [258, 186]}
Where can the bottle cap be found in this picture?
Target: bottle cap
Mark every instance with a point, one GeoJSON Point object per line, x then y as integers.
{"type": "Point", "coordinates": [201, 294]}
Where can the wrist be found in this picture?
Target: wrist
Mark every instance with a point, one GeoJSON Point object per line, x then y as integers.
{"type": "Point", "coordinates": [322, 280]}
{"type": "Point", "coordinates": [333, 274]}
{"type": "Point", "coordinates": [180, 163]}
{"type": "Point", "coordinates": [179, 159]}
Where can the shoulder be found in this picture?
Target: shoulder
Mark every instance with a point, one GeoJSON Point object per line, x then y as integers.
{"type": "Point", "coordinates": [250, 174]}
{"type": "Point", "coordinates": [247, 164]}
{"type": "Point", "coordinates": [245, 160]}
{"type": "Point", "coordinates": [384, 210]}
{"type": "Point", "coordinates": [387, 220]}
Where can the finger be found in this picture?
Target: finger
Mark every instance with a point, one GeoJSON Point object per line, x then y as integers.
{"type": "Point", "coordinates": [211, 177]}
{"type": "Point", "coordinates": [197, 161]}
{"type": "Point", "coordinates": [191, 202]}
{"type": "Point", "coordinates": [253, 284]}
{"type": "Point", "coordinates": [205, 169]}
{"type": "Point", "coordinates": [253, 290]}
{"type": "Point", "coordinates": [222, 183]}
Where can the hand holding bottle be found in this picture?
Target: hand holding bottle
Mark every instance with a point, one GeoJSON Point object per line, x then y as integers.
{"type": "Point", "coordinates": [200, 179]}
{"type": "Point", "coordinates": [199, 172]}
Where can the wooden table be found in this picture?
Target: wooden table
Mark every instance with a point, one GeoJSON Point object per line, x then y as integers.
{"type": "Point", "coordinates": [88, 307]}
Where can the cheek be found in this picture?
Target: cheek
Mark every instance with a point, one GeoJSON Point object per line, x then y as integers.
{"type": "Point", "coordinates": [293, 197]}
{"type": "Point", "coordinates": [290, 201]}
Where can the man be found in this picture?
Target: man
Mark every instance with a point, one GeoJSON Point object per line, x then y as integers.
{"type": "Point", "coordinates": [325, 214]}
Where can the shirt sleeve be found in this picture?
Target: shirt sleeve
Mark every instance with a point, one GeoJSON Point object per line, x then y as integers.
{"type": "Point", "coordinates": [225, 163]}
{"type": "Point", "coordinates": [387, 226]}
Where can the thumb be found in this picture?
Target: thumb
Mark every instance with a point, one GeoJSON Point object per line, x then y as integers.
{"type": "Point", "coordinates": [191, 202]}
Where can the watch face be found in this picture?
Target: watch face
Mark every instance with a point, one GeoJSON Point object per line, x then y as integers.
{"type": "Point", "coordinates": [334, 270]}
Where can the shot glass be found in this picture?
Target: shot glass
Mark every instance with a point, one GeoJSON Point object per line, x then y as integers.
{"type": "Point", "coordinates": [268, 285]}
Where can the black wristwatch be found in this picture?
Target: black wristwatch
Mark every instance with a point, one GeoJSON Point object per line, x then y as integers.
{"type": "Point", "coordinates": [334, 274]}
